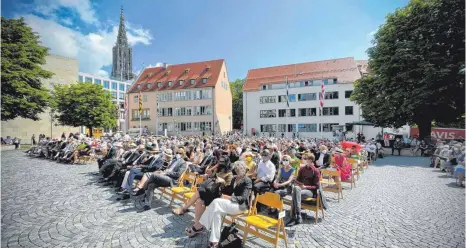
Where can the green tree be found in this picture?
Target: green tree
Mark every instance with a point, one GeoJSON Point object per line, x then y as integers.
{"type": "Point", "coordinates": [236, 88]}
{"type": "Point", "coordinates": [84, 104]}
{"type": "Point", "coordinates": [416, 63]}
{"type": "Point", "coordinates": [23, 94]}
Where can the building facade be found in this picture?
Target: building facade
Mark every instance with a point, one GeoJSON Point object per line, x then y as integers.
{"type": "Point", "coordinates": [118, 90]}
{"type": "Point", "coordinates": [65, 72]}
{"type": "Point", "coordinates": [122, 54]}
{"type": "Point", "coordinates": [192, 99]}
{"type": "Point", "coordinates": [265, 109]}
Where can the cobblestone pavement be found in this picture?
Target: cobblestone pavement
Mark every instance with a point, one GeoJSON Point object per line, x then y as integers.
{"type": "Point", "coordinates": [45, 204]}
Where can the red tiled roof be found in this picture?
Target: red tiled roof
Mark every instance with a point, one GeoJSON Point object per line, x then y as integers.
{"type": "Point", "coordinates": [363, 66]}
{"type": "Point", "coordinates": [197, 71]}
{"type": "Point", "coordinates": [344, 69]}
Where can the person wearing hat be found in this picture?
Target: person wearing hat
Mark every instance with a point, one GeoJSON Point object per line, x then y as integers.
{"type": "Point", "coordinates": [167, 178]}
{"type": "Point", "coordinates": [265, 173]}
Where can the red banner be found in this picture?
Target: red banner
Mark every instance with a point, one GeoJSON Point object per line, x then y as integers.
{"type": "Point", "coordinates": [442, 133]}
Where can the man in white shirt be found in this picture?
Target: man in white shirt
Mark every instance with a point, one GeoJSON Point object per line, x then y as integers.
{"type": "Point", "coordinates": [371, 149]}
{"type": "Point", "coordinates": [265, 173]}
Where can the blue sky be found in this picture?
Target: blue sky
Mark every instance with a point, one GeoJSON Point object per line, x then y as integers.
{"type": "Point", "coordinates": [247, 34]}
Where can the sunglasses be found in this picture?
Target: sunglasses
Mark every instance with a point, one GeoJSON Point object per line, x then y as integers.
{"type": "Point", "coordinates": [179, 153]}
{"type": "Point", "coordinates": [286, 160]}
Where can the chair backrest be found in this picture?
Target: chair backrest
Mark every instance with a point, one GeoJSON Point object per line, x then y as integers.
{"type": "Point", "coordinates": [186, 176]}
{"type": "Point", "coordinates": [352, 161]}
{"type": "Point", "coordinates": [199, 180]}
{"type": "Point", "coordinates": [330, 173]}
{"type": "Point", "coordinates": [270, 199]}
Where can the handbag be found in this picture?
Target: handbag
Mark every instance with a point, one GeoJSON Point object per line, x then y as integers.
{"type": "Point", "coordinates": [229, 237]}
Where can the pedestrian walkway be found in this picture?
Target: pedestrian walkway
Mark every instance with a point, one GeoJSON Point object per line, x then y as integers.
{"type": "Point", "coordinates": [398, 202]}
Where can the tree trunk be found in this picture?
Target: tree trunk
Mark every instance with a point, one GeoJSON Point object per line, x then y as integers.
{"type": "Point", "coordinates": [425, 130]}
{"type": "Point", "coordinates": [90, 131]}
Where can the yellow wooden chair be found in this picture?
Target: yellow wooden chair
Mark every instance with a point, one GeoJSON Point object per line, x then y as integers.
{"type": "Point", "coordinates": [328, 179]}
{"type": "Point", "coordinates": [263, 223]}
{"type": "Point", "coordinates": [178, 192]}
{"type": "Point", "coordinates": [189, 195]}
{"type": "Point", "coordinates": [355, 169]}
{"type": "Point", "coordinates": [312, 204]}
{"type": "Point", "coordinates": [235, 218]}
{"type": "Point", "coordinates": [179, 188]}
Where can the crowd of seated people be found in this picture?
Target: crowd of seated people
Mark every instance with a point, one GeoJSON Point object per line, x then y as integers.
{"type": "Point", "coordinates": [232, 169]}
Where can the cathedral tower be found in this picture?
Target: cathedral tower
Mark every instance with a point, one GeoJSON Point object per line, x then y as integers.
{"type": "Point", "coordinates": [122, 54]}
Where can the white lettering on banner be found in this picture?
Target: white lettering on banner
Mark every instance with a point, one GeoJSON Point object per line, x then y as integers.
{"type": "Point", "coordinates": [443, 135]}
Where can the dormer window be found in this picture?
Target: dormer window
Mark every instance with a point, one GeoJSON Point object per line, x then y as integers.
{"type": "Point", "coordinates": [169, 83]}
{"type": "Point", "coordinates": [159, 84]}
{"type": "Point", "coordinates": [207, 68]}
{"type": "Point", "coordinates": [204, 80]}
{"type": "Point", "coordinates": [193, 81]}
{"type": "Point", "coordinates": [149, 85]}
{"type": "Point", "coordinates": [186, 71]}
{"type": "Point", "coordinates": [181, 82]}
{"type": "Point", "coordinates": [139, 87]}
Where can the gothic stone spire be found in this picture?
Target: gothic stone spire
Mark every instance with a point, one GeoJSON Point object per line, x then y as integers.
{"type": "Point", "coordinates": [122, 54]}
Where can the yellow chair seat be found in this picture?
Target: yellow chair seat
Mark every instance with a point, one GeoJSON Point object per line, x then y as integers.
{"type": "Point", "coordinates": [310, 199]}
{"type": "Point", "coordinates": [261, 221]}
{"type": "Point", "coordinates": [179, 190]}
{"type": "Point", "coordinates": [189, 195]}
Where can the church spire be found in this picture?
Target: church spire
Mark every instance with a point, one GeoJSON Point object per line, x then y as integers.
{"type": "Point", "coordinates": [122, 39]}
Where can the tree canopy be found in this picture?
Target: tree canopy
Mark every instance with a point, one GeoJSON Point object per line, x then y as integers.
{"type": "Point", "coordinates": [84, 104]}
{"type": "Point", "coordinates": [23, 94]}
{"type": "Point", "coordinates": [236, 88]}
{"type": "Point", "coordinates": [416, 64]}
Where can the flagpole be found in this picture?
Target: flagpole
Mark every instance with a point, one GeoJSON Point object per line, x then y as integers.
{"type": "Point", "coordinates": [140, 114]}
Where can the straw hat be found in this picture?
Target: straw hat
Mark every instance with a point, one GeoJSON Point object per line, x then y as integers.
{"type": "Point", "coordinates": [168, 153]}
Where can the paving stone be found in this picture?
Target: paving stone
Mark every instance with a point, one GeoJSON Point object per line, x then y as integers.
{"type": "Point", "coordinates": [399, 202]}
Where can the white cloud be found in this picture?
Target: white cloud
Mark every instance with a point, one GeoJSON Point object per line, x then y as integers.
{"type": "Point", "coordinates": [67, 21]}
{"type": "Point", "coordinates": [103, 73]}
{"type": "Point", "coordinates": [82, 7]}
{"type": "Point", "coordinates": [372, 33]}
{"type": "Point", "coordinates": [93, 50]}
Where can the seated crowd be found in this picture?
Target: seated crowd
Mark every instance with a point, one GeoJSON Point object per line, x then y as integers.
{"type": "Point", "coordinates": [232, 170]}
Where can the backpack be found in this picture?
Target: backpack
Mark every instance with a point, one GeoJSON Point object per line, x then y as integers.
{"type": "Point", "coordinates": [229, 237]}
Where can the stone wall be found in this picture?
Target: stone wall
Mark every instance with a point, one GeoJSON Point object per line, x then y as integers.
{"type": "Point", "coordinates": [65, 72]}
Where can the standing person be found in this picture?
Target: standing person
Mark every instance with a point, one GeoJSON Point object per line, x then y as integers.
{"type": "Point", "coordinates": [33, 139]}
{"type": "Point", "coordinates": [306, 185]}
{"type": "Point", "coordinates": [63, 135]}
{"type": "Point", "coordinates": [386, 140]}
{"type": "Point", "coordinates": [16, 143]}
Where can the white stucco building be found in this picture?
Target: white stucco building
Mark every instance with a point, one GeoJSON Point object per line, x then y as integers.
{"type": "Point", "coordinates": [118, 90]}
{"type": "Point", "coordinates": [264, 98]}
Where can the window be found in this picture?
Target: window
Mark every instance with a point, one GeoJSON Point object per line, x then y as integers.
{"type": "Point", "coordinates": [135, 114]}
{"type": "Point", "coordinates": [181, 82]}
{"type": "Point", "coordinates": [144, 98]}
{"type": "Point", "coordinates": [268, 128]}
{"type": "Point", "coordinates": [268, 99]}
{"type": "Point", "coordinates": [271, 113]}
{"type": "Point", "coordinates": [145, 114]}
{"type": "Point", "coordinates": [122, 96]}
{"type": "Point", "coordinates": [305, 84]}
{"type": "Point", "coordinates": [192, 81]}
{"type": "Point", "coordinates": [348, 93]}
{"type": "Point", "coordinates": [166, 112]}
{"type": "Point", "coordinates": [88, 80]}
{"type": "Point", "coordinates": [335, 81]}
{"type": "Point", "coordinates": [159, 84]}
{"type": "Point", "coordinates": [291, 112]}
{"type": "Point", "coordinates": [291, 98]}
{"type": "Point", "coordinates": [328, 126]}
{"type": "Point", "coordinates": [169, 83]}
{"type": "Point", "coordinates": [202, 94]}
{"type": "Point", "coordinates": [165, 97]}
{"type": "Point", "coordinates": [149, 85]}
{"type": "Point", "coordinates": [114, 94]}
{"type": "Point", "coordinates": [122, 87]}
{"type": "Point", "coordinates": [307, 112]}
{"type": "Point", "coordinates": [182, 95]}
{"type": "Point", "coordinates": [202, 126]}
{"type": "Point", "coordinates": [80, 78]}
{"type": "Point", "coordinates": [266, 87]}
{"type": "Point", "coordinates": [325, 81]}
{"type": "Point", "coordinates": [331, 95]}
{"type": "Point", "coordinates": [307, 128]}
{"type": "Point", "coordinates": [135, 99]}
{"type": "Point", "coordinates": [348, 110]}
{"type": "Point", "coordinates": [329, 111]}
{"type": "Point", "coordinates": [204, 80]}
{"type": "Point", "coordinates": [97, 81]}
{"type": "Point", "coordinates": [127, 87]}
{"type": "Point", "coordinates": [114, 85]}
{"type": "Point", "coordinates": [183, 111]}
{"type": "Point", "coordinates": [307, 97]}
{"type": "Point", "coordinates": [203, 110]}
{"type": "Point", "coordinates": [184, 126]}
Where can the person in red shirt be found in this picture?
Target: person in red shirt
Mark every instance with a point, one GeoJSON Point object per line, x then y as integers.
{"type": "Point", "coordinates": [306, 185]}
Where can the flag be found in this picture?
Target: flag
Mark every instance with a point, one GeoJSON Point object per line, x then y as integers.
{"type": "Point", "coordinates": [287, 95]}
{"type": "Point", "coordinates": [322, 94]}
{"type": "Point", "coordinates": [140, 103]}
